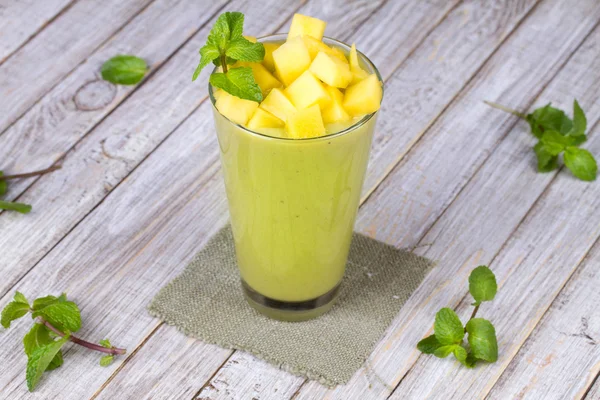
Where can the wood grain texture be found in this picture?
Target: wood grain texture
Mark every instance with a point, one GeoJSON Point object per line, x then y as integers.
{"type": "Point", "coordinates": [119, 261]}
{"type": "Point", "coordinates": [54, 125]}
{"type": "Point", "coordinates": [67, 41]}
{"type": "Point", "coordinates": [594, 392]}
{"type": "Point", "coordinates": [20, 20]}
{"type": "Point", "coordinates": [561, 357]}
{"type": "Point", "coordinates": [412, 199]}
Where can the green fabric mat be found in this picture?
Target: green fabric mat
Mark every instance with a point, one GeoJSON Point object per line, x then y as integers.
{"type": "Point", "coordinates": [206, 302]}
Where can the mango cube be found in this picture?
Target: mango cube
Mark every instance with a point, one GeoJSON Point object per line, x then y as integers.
{"type": "Point", "coordinates": [335, 112]}
{"type": "Point", "coordinates": [353, 56]}
{"type": "Point", "coordinates": [291, 60]}
{"type": "Point", "coordinates": [236, 109]}
{"type": "Point", "coordinates": [306, 123]}
{"type": "Point", "coordinates": [268, 60]}
{"type": "Point", "coordinates": [358, 74]}
{"type": "Point", "coordinates": [363, 97]}
{"type": "Point", "coordinates": [315, 46]}
{"type": "Point", "coordinates": [264, 119]}
{"type": "Point", "coordinates": [304, 25]}
{"type": "Point", "coordinates": [265, 80]}
{"type": "Point", "coordinates": [277, 104]}
{"type": "Point", "coordinates": [306, 91]}
{"type": "Point", "coordinates": [331, 70]}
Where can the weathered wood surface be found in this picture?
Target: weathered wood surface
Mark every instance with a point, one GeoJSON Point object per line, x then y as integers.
{"type": "Point", "coordinates": [20, 20]}
{"type": "Point", "coordinates": [49, 56]}
{"type": "Point", "coordinates": [142, 192]}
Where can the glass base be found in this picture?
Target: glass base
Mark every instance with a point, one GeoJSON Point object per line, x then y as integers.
{"type": "Point", "coordinates": [291, 311]}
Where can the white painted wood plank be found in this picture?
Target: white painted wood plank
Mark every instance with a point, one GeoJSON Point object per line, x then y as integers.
{"type": "Point", "coordinates": [412, 199]}
{"type": "Point", "coordinates": [107, 271]}
{"type": "Point", "coordinates": [540, 255]}
{"type": "Point", "coordinates": [594, 392]}
{"type": "Point", "coordinates": [20, 20]}
{"type": "Point", "coordinates": [561, 357]}
{"type": "Point", "coordinates": [49, 56]}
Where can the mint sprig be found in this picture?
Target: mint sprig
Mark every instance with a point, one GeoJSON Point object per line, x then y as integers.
{"type": "Point", "coordinates": [19, 207]}
{"type": "Point", "coordinates": [124, 69]}
{"type": "Point", "coordinates": [55, 320]}
{"type": "Point", "coordinates": [226, 46]}
{"type": "Point", "coordinates": [449, 331]}
{"type": "Point", "coordinates": [558, 134]}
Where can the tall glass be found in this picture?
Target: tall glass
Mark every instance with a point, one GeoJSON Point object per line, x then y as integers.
{"type": "Point", "coordinates": [292, 204]}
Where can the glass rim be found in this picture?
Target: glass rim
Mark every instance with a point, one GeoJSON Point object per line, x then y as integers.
{"type": "Point", "coordinates": [349, 129]}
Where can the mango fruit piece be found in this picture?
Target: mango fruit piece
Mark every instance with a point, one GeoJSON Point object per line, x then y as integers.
{"type": "Point", "coordinates": [335, 112]}
{"type": "Point", "coordinates": [306, 91]}
{"type": "Point", "coordinates": [264, 119]}
{"type": "Point", "coordinates": [268, 61]}
{"type": "Point", "coordinates": [304, 25]}
{"type": "Point", "coordinates": [314, 46]}
{"type": "Point", "coordinates": [363, 97]}
{"type": "Point", "coordinates": [306, 123]}
{"type": "Point", "coordinates": [265, 80]}
{"type": "Point", "coordinates": [358, 74]}
{"type": "Point", "coordinates": [331, 70]}
{"type": "Point", "coordinates": [236, 109]}
{"type": "Point", "coordinates": [291, 60]}
{"type": "Point", "coordinates": [278, 104]}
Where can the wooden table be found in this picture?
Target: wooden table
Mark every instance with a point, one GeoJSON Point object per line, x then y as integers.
{"type": "Point", "coordinates": [140, 191]}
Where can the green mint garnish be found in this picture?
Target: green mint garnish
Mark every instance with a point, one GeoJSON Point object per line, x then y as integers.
{"type": "Point", "coordinates": [557, 135]}
{"type": "Point", "coordinates": [19, 207]}
{"type": "Point", "coordinates": [124, 70]}
{"type": "Point", "coordinates": [226, 46]}
{"type": "Point", "coordinates": [55, 320]}
{"type": "Point", "coordinates": [449, 331]}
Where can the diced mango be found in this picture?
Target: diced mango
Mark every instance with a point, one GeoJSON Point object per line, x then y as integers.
{"type": "Point", "coordinates": [335, 112]}
{"type": "Point", "coordinates": [264, 119]}
{"type": "Point", "coordinates": [304, 25]}
{"type": "Point", "coordinates": [250, 38]}
{"type": "Point", "coordinates": [268, 60]}
{"type": "Point", "coordinates": [265, 80]}
{"type": "Point", "coordinates": [314, 46]}
{"type": "Point", "coordinates": [353, 56]}
{"type": "Point", "coordinates": [306, 123]}
{"type": "Point", "coordinates": [358, 75]}
{"type": "Point", "coordinates": [277, 104]}
{"type": "Point", "coordinates": [306, 91]}
{"type": "Point", "coordinates": [363, 97]}
{"type": "Point", "coordinates": [236, 109]}
{"type": "Point", "coordinates": [331, 70]}
{"type": "Point", "coordinates": [291, 60]}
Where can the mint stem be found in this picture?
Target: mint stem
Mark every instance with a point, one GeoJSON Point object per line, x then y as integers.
{"type": "Point", "coordinates": [30, 174]}
{"type": "Point", "coordinates": [84, 343]}
{"type": "Point", "coordinates": [472, 315]}
{"type": "Point", "coordinates": [224, 63]}
{"type": "Point", "coordinates": [505, 109]}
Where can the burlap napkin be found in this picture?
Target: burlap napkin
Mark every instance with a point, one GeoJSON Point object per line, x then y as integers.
{"type": "Point", "coordinates": [206, 302]}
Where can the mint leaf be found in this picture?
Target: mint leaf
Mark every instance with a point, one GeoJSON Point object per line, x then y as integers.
{"type": "Point", "coordinates": [548, 118]}
{"type": "Point", "coordinates": [244, 50]}
{"type": "Point", "coordinates": [208, 53]}
{"type": "Point", "coordinates": [40, 359]}
{"type": "Point", "coordinates": [238, 82]}
{"type": "Point", "coordinates": [579, 124]}
{"type": "Point", "coordinates": [13, 310]}
{"type": "Point", "coordinates": [64, 315]}
{"type": "Point", "coordinates": [124, 70]}
{"type": "Point", "coordinates": [482, 339]}
{"type": "Point", "coordinates": [482, 284]}
{"type": "Point", "coordinates": [20, 298]}
{"type": "Point", "coordinates": [546, 160]}
{"type": "Point", "coordinates": [429, 345]}
{"type": "Point", "coordinates": [461, 355]}
{"type": "Point", "coordinates": [556, 141]}
{"type": "Point", "coordinates": [107, 360]}
{"type": "Point", "coordinates": [39, 336]}
{"type": "Point", "coordinates": [448, 328]}
{"type": "Point", "coordinates": [106, 343]}
{"type": "Point", "coordinates": [42, 302]}
{"type": "Point", "coordinates": [581, 163]}
{"type": "Point", "coordinates": [444, 351]}
{"type": "Point", "coordinates": [18, 207]}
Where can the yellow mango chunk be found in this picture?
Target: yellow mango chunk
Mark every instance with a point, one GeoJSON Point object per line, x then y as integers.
{"type": "Point", "coordinates": [277, 104]}
{"type": "Point", "coordinates": [339, 54]}
{"type": "Point", "coordinates": [335, 112]}
{"type": "Point", "coordinates": [331, 70]}
{"type": "Point", "coordinates": [291, 60]}
{"type": "Point", "coordinates": [264, 119]}
{"type": "Point", "coordinates": [363, 97]}
{"type": "Point", "coordinates": [315, 46]}
{"type": "Point", "coordinates": [268, 60]}
{"type": "Point", "coordinates": [353, 56]}
{"type": "Point", "coordinates": [265, 80]}
{"type": "Point", "coordinates": [306, 91]}
{"type": "Point", "coordinates": [304, 25]}
{"type": "Point", "coordinates": [236, 109]}
{"type": "Point", "coordinates": [358, 75]}
{"type": "Point", "coordinates": [306, 123]}
{"type": "Point", "coordinates": [250, 38]}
